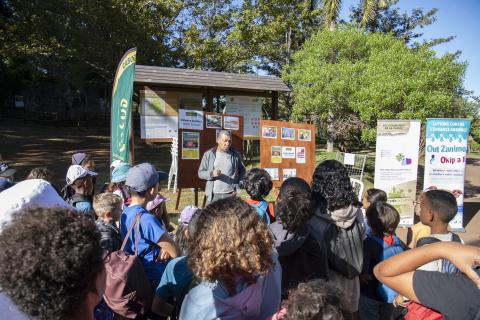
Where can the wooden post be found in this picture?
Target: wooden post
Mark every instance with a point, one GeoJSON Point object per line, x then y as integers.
{"type": "Point", "coordinates": [274, 105]}
{"type": "Point", "coordinates": [179, 194]}
{"type": "Point", "coordinates": [209, 100]}
{"type": "Point", "coordinates": [196, 197]}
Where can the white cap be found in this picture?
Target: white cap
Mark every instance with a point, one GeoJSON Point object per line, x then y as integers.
{"type": "Point", "coordinates": [115, 164]}
{"type": "Point", "coordinates": [76, 172]}
{"type": "Point", "coordinates": [26, 194]}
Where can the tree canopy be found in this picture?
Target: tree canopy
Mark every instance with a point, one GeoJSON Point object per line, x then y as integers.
{"type": "Point", "coordinates": [361, 77]}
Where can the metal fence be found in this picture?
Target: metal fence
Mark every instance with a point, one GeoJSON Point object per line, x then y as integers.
{"type": "Point", "coordinates": [355, 164]}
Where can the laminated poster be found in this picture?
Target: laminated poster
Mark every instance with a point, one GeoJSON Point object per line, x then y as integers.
{"type": "Point", "coordinates": [214, 121]}
{"type": "Point", "coordinates": [190, 119]}
{"type": "Point", "coordinates": [190, 145]}
{"type": "Point", "coordinates": [276, 154]}
{"type": "Point", "coordinates": [288, 173]}
{"type": "Point", "coordinates": [288, 133]}
{"type": "Point", "coordinates": [269, 132]}
{"type": "Point", "coordinates": [288, 152]}
{"type": "Point", "coordinates": [231, 123]}
{"type": "Point", "coordinates": [273, 172]}
{"type": "Point", "coordinates": [304, 135]}
{"type": "Point", "coordinates": [300, 155]}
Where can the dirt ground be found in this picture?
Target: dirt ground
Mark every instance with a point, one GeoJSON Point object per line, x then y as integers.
{"type": "Point", "coordinates": [26, 146]}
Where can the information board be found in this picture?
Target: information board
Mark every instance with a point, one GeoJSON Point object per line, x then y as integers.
{"type": "Point", "coordinates": [287, 150]}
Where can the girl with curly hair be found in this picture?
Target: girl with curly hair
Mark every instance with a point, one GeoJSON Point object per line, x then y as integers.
{"type": "Point", "coordinates": [258, 185]}
{"type": "Point", "coordinates": [338, 217]}
{"type": "Point", "coordinates": [302, 252]}
{"type": "Point", "coordinates": [234, 260]}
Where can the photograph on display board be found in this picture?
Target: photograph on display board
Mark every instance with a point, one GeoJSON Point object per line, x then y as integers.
{"type": "Point", "coordinates": [300, 154]}
{"type": "Point", "coordinates": [231, 123]}
{"type": "Point", "coordinates": [269, 132]}
{"type": "Point", "coordinates": [273, 172]}
{"type": "Point", "coordinates": [190, 145]}
{"type": "Point", "coordinates": [288, 152]}
{"type": "Point", "coordinates": [288, 173]}
{"type": "Point", "coordinates": [214, 121]}
{"type": "Point", "coordinates": [276, 154]}
{"type": "Point", "coordinates": [288, 133]}
{"type": "Point", "coordinates": [304, 135]}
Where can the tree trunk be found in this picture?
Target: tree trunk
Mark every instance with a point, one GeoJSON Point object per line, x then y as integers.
{"type": "Point", "coordinates": [330, 130]}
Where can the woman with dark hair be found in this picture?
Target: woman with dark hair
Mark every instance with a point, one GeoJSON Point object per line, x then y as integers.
{"type": "Point", "coordinates": [302, 253]}
{"type": "Point", "coordinates": [233, 257]}
{"type": "Point", "coordinates": [338, 217]}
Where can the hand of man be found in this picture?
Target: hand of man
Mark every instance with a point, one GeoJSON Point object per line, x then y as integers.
{"type": "Point", "coordinates": [164, 256]}
{"type": "Point", "coordinates": [216, 173]}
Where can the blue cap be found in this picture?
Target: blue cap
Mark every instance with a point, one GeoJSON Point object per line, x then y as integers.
{"type": "Point", "coordinates": [5, 184]}
{"type": "Point", "coordinates": [119, 174]}
{"type": "Point", "coordinates": [144, 176]}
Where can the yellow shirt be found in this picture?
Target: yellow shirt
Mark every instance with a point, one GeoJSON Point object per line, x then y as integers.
{"type": "Point", "coordinates": [419, 230]}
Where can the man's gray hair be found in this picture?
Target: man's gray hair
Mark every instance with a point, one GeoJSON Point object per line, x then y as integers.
{"type": "Point", "coordinates": [227, 133]}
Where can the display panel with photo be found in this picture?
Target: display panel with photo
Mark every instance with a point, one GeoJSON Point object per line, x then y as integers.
{"type": "Point", "coordinates": [269, 132]}
{"type": "Point", "coordinates": [214, 121]}
{"type": "Point", "coordinates": [304, 135]}
{"type": "Point", "coordinates": [288, 133]}
{"type": "Point", "coordinates": [190, 145]}
{"type": "Point", "coordinates": [231, 123]}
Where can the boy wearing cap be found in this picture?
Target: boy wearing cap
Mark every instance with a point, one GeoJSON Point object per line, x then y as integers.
{"type": "Point", "coordinates": [80, 180]}
{"type": "Point", "coordinates": [6, 172]}
{"type": "Point", "coordinates": [154, 243]}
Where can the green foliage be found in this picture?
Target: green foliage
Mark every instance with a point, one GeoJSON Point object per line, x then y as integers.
{"type": "Point", "coordinates": [371, 76]}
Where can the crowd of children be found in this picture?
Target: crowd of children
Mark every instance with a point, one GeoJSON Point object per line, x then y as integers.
{"type": "Point", "coordinates": [316, 252]}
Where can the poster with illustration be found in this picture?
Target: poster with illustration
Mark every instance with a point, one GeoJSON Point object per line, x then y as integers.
{"type": "Point", "coordinates": [269, 132]}
{"type": "Point", "coordinates": [273, 172]}
{"type": "Point", "coordinates": [214, 121]}
{"type": "Point", "coordinates": [288, 152]}
{"type": "Point", "coordinates": [276, 154]}
{"type": "Point", "coordinates": [396, 164]}
{"type": "Point", "coordinates": [231, 123]}
{"type": "Point", "coordinates": [190, 145]}
{"type": "Point", "coordinates": [288, 173]}
{"type": "Point", "coordinates": [288, 133]}
{"type": "Point", "coordinates": [304, 135]}
{"type": "Point", "coordinates": [300, 154]}
{"type": "Point", "coordinates": [446, 146]}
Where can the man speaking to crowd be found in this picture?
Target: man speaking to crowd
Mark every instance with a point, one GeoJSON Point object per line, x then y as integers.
{"type": "Point", "coordinates": [223, 169]}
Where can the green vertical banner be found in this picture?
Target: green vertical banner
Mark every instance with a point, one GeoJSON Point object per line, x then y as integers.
{"type": "Point", "coordinates": [122, 109]}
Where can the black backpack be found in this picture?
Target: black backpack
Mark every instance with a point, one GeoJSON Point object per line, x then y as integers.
{"type": "Point", "coordinates": [345, 249]}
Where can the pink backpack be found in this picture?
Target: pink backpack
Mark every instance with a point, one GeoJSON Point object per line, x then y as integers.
{"type": "Point", "coordinates": [128, 292]}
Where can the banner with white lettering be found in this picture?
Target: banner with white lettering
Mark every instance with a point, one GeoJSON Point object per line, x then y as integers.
{"type": "Point", "coordinates": [445, 159]}
{"type": "Point", "coordinates": [396, 164]}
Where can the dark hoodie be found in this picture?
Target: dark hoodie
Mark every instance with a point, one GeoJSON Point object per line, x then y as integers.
{"type": "Point", "coordinates": [210, 301]}
{"type": "Point", "coordinates": [302, 255]}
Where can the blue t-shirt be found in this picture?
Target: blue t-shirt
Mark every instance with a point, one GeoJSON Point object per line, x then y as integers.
{"type": "Point", "coordinates": [151, 231]}
{"type": "Point", "coordinates": [175, 280]}
{"type": "Point", "coordinates": [83, 207]}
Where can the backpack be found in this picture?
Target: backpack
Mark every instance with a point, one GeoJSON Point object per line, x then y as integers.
{"type": "Point", "coordinates": [262, 210]}
{"type": "Point", "coordinates": [384, 291]}
{"type": "Point", "coordinates": [447, 266]}
{"type": "Point", "coordinates": [128, 292]}
{"type": "Point", "coordinates": [345, 249]}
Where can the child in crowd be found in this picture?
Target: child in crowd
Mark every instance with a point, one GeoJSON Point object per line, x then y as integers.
{"type": "Point", "coordinates": [85, 161]}
{"type": "Point", "coordinates": [80, 180]}
{"type": "Point", "coordinates": [177, 277]}
{"type": "Point", "coordinates": [234, 259]}
{"type": "Point", "coordinates": [302, 252]}
{"type": "Point", "coordinates": [258, 184]}
{"type": "Point", "coordinates": [418, 230]}
{"type": "Point", "coordinates": [375, 299]}
{"type": "Point", "coordinates": [454, 296]}
{"type": "Point", "coordinates": [339, 218]}
{"type": "Point", "coordinates": [117, 185]}
{"type": "Point", "coordinates": [154, 243]}
{"type": "Point", "coordinates": [51, 263]}
{"type": "Point", "coordinates": [158, 207]}
{"type": "Point", "coordinates": [313, 300]}
{"type": "Point", "coordinates": [437, 209]}
{"type": "Point", "coordinates": [41, 173]}
{"type": "Point", "coordinates": [369, 197]}
{"type": "Point", "coordinates": [6, 171]}
{"type": "Point", "coordinates": [108, 208]}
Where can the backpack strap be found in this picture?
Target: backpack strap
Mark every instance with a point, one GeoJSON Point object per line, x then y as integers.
{"type": "Point", "coordinates": [456, 238]}
{"type": "Point", "coordinates": [136, 222]}
{"type": "Point", "coordinates": [426, 240]}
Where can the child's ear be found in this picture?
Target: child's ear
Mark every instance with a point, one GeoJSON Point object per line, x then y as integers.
{"type": "Point", "coordinates": [108, 214]}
